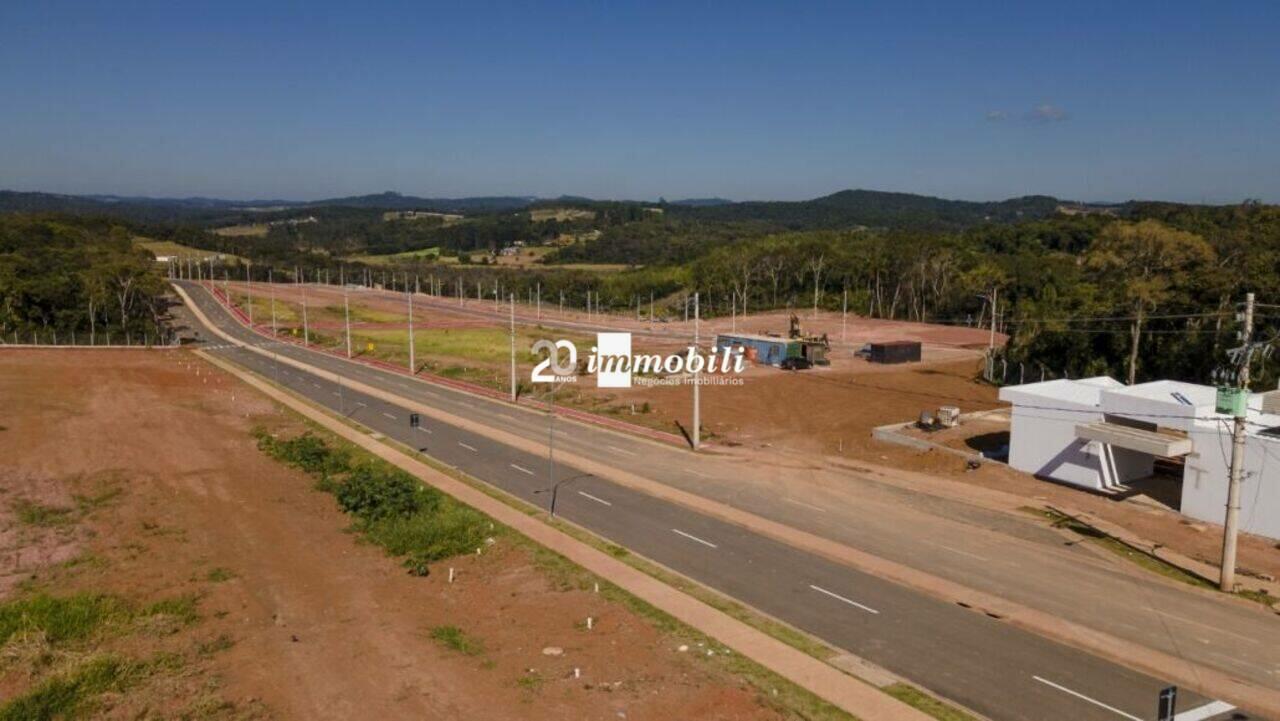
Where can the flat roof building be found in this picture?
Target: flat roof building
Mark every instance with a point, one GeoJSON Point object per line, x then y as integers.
{"type": "Point", "coordinates": [1099, 434]}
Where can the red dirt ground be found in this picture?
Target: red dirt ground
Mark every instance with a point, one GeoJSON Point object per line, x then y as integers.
{"type": "Point", "coordinates": [323, 626]}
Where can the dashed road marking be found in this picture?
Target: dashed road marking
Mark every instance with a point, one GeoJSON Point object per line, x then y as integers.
{"type": "Point", "coordinates": [469, 448]}
{"type": "Point", "coordinates": [424, 429]}
{"type": "Point", "coordinates": [607, 503]}
{"type": "Point", "coordinates": [1082, 697]}
{"type": "Point", "coordinates": [838, 597]}
{"type": "Point", "coordinates": [621, 450]}
{"type": "Point", "coordinates": [1208, 710]}
{"type": "Point", "coordinates": [692, 537]}
{"type": "Point", "coordinates": [389, 415]}
{"type": "Point", "coordinates": [522, 469]}
{"type": "Point", "coordinates": [810, 506]}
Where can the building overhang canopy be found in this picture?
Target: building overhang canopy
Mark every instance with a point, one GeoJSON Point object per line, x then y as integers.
{"type": "Point", "coordinates": [1165, 445]}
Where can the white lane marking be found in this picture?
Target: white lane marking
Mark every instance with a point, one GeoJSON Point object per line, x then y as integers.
{"type": "Point", "coordinates": [362, 405]}
{"type": "Point", "coordinates": [424, 429]}
{"type": "Point", "coordinates": [388, 415]}
{"type": "Point", "coordinates": [1206, 711]}
{"type": "Point", "coordinates": [606, 503]}
{"type": "Point", "coordinates": [838, 597]}
{"type": "Point", "coordinates": [1166, 614]}
{"type": "Point", "coordinates": [698, 473]}
{"type": "Point", "coordinates": [625, 452]}
{"type": "Point", "coordinates": [694, 538]}
{"type": "Point", "coordinates": [1082, 697]}
{"type": "Point", "coordinates": [315, 385]}
{"type": "Point", "coordinates": [336, 393]}
{"type": "Point", "coordinates": [469, 448]}
{"type": "Point", "coordinates": [522, 469]}
{"type": "Point", "coordinates": [806, 505]}
{"type": "Point", "coordinates": [956, 551]}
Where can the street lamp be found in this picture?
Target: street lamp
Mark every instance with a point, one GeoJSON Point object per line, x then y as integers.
{"type": "Point", "coordinates": [555, 489]}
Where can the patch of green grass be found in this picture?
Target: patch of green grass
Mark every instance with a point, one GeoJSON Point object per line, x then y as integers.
{"type": "Point", "coordinates": [87, 504]}
{"type": "Point", "coordinates": [392, 508]}
{"type": "Point", "coordinates": [1144, 560]}
{"type": "Point", "coordinates": [922, 701]}
{"type": "Point", "coordinates": [62, 696]}
{"type": "Point", "coordinates": [454, 638]}
{"type": "Point", "coordinates": [220, 574]}
{"type": "Point", "coordinates": [32, 513]}
{"type": "Point", "coordinates": [60, 618]}
{"type": "Point", "coordinates": [181, 608]}
{"type": "Point", "coordinates": [221, 643]}
{"type": "Point", "coordinates": [531, 681]}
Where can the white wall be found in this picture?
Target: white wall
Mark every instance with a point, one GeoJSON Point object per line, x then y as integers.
{"type": "Point", "coordinates": [1043, 442]}
{"type": "Point", "coordinates": [1204, 484]}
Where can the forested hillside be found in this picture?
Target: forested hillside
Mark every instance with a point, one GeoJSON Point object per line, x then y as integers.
{"type": "Point", "coordinates": [64, 276]}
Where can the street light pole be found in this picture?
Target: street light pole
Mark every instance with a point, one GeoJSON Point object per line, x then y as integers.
{"type": "Point", "coordinates": [346, 314]}
{"type": "Point", "coordinates": [413, 366]}
{"type": "Point", "coordinates": [697, 408]}
{"type": "Point", "coordinates": [512, 299]}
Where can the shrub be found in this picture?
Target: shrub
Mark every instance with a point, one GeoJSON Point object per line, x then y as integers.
{"type": "Point", "coordinates": [372, 494]}
{"type": "Point", "coordinates": [307, 453]}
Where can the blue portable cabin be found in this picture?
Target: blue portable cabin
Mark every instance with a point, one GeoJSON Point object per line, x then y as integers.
{"type": "Point", "coordinates": [768, 349]}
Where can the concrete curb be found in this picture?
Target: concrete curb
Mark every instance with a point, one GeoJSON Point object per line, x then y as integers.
{"type": "Point", "coordinates": [1207, 681]}
{"type": "Point", "coordinates": [840, 689]}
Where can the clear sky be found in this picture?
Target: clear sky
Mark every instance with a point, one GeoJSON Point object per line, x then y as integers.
{"type": "Point", "coordinates": [745, 100]}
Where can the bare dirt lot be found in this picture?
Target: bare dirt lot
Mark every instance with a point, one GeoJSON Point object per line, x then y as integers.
{"type": "Point", "coordinates": [134, 474]}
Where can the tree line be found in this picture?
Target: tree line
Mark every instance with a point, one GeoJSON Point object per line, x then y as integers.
{"type": "Point", "coordinates": [69, 278]}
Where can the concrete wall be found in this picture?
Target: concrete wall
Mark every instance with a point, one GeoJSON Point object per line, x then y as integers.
{"type": "Point", "coordinates": [1204, 482]}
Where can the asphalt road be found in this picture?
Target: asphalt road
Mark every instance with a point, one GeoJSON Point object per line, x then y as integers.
{"type": "Point", "coordinates": [980, 662]}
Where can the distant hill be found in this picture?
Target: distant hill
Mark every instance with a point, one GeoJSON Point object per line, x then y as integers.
{"type": "Point", "coordinates": [395, 201]}
{"type": "Point", "coordinates": [196, 208]}
{"type": "Point", "coordinates": [873, 208]}
{"type": "Point", "coordinates": [701, 202]}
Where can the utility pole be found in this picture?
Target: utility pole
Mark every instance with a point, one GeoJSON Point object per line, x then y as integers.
{"type": "Point", "coordinates": [413, 367]}
{"type": "Point", "coordinates": [272, 286]}
{"type": "Point", "coordinates": [539, 301]}
{"type": "Point", "coordinates": [248, 284]}
{"type": "Point", "coordinates": [697, 407]}
{"type": "Point", "coordinates": [1230, 529]}
{"type": "Point", "coordinates": [733, 311]}
{"type": "Point", "coordinates": [306, 330]}
{"type": "Point", "coordinates": [512, 298]}
{"type": "Point", "coordinates": [346, 313]}
{"type": "Point", "coordinates": [991, 344]}
{"type": "Point", "coordinates": [844, 315]}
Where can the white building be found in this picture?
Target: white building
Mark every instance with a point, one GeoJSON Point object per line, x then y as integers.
{"type": "Point", "coordinates": [1099, 434]}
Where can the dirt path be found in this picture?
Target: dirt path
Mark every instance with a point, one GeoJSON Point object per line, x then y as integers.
{"type": "Point", "coordinates": [320, 626]}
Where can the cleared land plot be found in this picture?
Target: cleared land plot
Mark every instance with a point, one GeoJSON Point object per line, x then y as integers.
{"type": "Point", "coordinates": [560, 214]}
{"type": "Point", "coordinates": [408, 256]}
{"type": "Point", "coordinates": [252, 229]}
{"type": "Point", "coordinates": [168, 247]}
{"type": "Point", "coordinates": [151, 489]}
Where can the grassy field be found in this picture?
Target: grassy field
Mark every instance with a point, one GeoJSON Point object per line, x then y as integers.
{"type": "Point", "coordinates": [167, 247]}
{"type": "Point", "coordinates": [432, 254]}
{"type": "Point", "coordinates": [254, 229]}
{"type": "Point", "coordinates": [476, 345]}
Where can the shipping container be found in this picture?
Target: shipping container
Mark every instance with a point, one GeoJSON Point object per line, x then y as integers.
{"type": "Point", "coordinates": [897, 351]}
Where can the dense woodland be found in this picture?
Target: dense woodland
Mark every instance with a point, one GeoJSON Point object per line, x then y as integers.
{"type": "Point", "coordinates": [1138, 290]}
{"type": "Point", "coordinates": [74, 279]}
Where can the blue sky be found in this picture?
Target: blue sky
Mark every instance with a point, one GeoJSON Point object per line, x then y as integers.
{"type": "Point", "coordinates": [1105, 101]}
